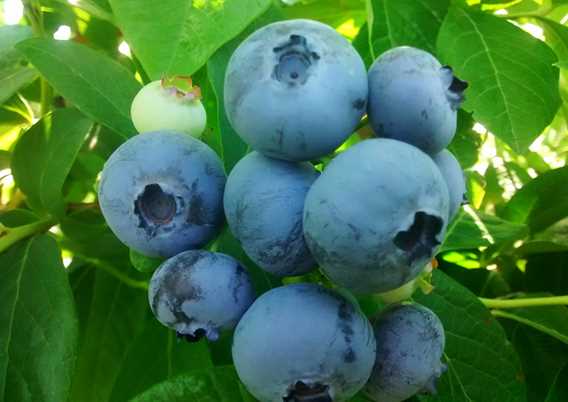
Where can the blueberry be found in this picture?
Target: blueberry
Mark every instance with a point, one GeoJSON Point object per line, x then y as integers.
{"type": "Point", "coordinates": [264, 202]}
{"type": "Point", "coordinates": [376, 215]}
{"type": "Point", "coordinates": [199, 293]}
{"type": "Point", "coordinates": [301, 343]}
{"type": "Point", "coordinates": [161, 193]}
{"type": "Point", "coordinates": [413, 98]}
{"type": "Point", "coordinates": [295, 90]}
{"type": "Point", "coordinates": [162, 106]}
{"type": "Point", "coordinates": [410, 344]}
{"type": "Point", "coordinates": [453, 174]}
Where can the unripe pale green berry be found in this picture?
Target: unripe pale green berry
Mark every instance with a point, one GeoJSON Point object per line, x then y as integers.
{"type": "Point", "coordinates": [164, 105]}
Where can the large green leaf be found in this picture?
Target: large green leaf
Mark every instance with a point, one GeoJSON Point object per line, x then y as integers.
{"type": "Point", "coordinates": [482, 364]}
{"type": "Point", "coordinates": [13, 74]}
{"type": "Point", "coordinates": [169, 358]}
{"type": "Point", "coordinates": [513, 83]}
{"type": "Point", "coordinates": [541, 202]}
{"type": "Point", "coordinates": [44, 155]}
{"type": "Point", "coordinates": [218, 385]}
{"type": "Point", "coordinates": [38, 325]}
{"type": "Point", "coordinates": [111, 318]}
{"type": "Point", "coordinates": [179, 36]}
{"type": "Point", "coordinates": [404, 22]}
{"type": "Point", "coordinates": [97, 85]}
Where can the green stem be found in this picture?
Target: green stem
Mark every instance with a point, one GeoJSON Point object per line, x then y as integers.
{"type": "Point", "coordinates": [108, 268]}
{"type": "Point", "coordinates": [526, 302]}
{"type": "Point", "coordinates": [9, 236]}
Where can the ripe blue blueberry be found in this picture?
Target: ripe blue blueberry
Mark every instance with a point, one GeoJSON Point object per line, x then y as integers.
{"type": "Point", "coordinates": [264, 203]}
{"type": "Point", "coordinates": [410, 344]}
{"type": "Point", "coordinates": [413, 98]}
{"type": "Point", "coordinates": [161, 193]}
{"type": "Point", "coordinates": [453, 174]}
{"type": "Point", "coordinates": [199, 293]}
{"type": "Point", "coordinates": [295, 90]}
{"type": "Point", "coordinates": [376, 215]}
{"type": "Point", "coordinates": [301, 343]}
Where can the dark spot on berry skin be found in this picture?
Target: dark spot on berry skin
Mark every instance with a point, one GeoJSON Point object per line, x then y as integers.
{"type": "Point", "coordinates": [424, 114]}
{"type": "Point", "coordinates": [240, 277]}
{"type": "Point", "coordinates": [359, 104]}
{"type": "Point", "coordinates": [294, 61]}
{"type": "Point", "coordinates": [349, 355]}
{"type": "Point", "coordinates": [197, 213]}
{"type": "Point", "coordinates": [308, 393]}
{"type": "Point", "coordinates": [356, 231]}
{"type": "Point", "coordinates": [420, 239]}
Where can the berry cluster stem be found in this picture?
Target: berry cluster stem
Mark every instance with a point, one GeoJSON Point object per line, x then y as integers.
{"type": "Point", "coordinates": [525, 302]}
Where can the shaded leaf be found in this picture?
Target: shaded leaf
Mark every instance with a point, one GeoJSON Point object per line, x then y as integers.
{"type": "Point", "coordinates": [218, 385]}
{"type": "Point", "coordinates": [541, 202]}
{"type": "Point", "coordinates": [44, 156]}
{"type": "Point", "coordinates": [38, 325]}
{"type": "Point", "coordinates": [405, 22]}
{"type": "Point", "coordinates": [14, 74]}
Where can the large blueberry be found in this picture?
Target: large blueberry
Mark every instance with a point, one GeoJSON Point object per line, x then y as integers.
{"type": "Point", "coordinates": [264, 203]}
{"type": "Point", "coordinates": [295, 90]}
{"type": "Point", "coordinates": [410, 344]}
{"type": "Point", "coordinates": [413, 98]}
{"type": "Point", "coordinates": [453, 174]}
{"type": "Point", "coordinates": [301, 343]}
{"type": "Point", "coordinates": [376, 215]}
{"type": "Point", "coordinates": [162, 193]}
{"type": "Point", "coordinates": [199, 293]}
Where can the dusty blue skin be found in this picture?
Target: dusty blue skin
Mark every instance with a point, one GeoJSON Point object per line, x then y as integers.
{"type": "Point", "coordinates": [303, 340]}
{"type": "Point", "coordinates": [376, 215]}
{"type": "Point", "coordinates": [264, 204]}
{"type": "Point", "coordinates": [410, 341]}
{"type": "Point", "coordinates": [199, 293]}
{"type": "Point", "coordinates": [413, 98]}
{"type": "Point", "coordinates": [453, 174]}
{"type": "Point", "coordinates": [161, 193]}
{"type": "Point", "coordinates": [295, 90]}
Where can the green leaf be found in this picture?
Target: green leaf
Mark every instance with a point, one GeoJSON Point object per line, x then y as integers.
{"type": "Point", "coordinates": [542, 358]}
{"type": "Point", "coordinates": [14, 74]}
{"type": "Point", "coordinates": [482, 364]}
{"type": "Point", "coordinates": [169, 358]}
{"type": "Point", "coordinates": [541, 202]}
{"type": "Point", "coordinates": [513, 83]}
{"type": "Point", "coordinates": [38, 325]}
{"type": "Point", "coordinates": [178, 36]}
{"type": "Point", "coordinates": [218, 385]}
{"type": "Point", "coordinates": [559, 391]}
{"type": "Point", "coordinates": [551, 320]}
{"type": "Point", "coordinates": [143, 263]}
{"type": "Point", "coordinates": [97, 85]}
{"type": "Point", "coordinates": [44, 155]}
{"type": "Point", "coordinates": [404, 22]}
{"type": "Point", "coordinates": [87, 234]}
{"type": "Point", "coordinates": [556, 36]}
{"type": "Point", "coordinates": [110, 319]}
{"type": "Point", "coordinates": [473, 229]}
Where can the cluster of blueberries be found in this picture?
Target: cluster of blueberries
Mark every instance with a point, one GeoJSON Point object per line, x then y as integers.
{"type": "Point", "coordinates": [372, 220]}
